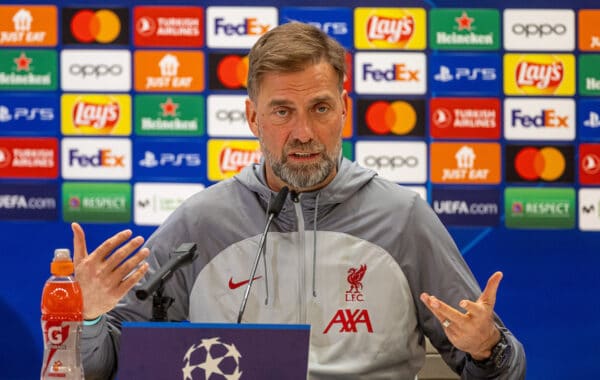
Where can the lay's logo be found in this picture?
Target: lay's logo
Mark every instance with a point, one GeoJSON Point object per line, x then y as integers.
{"type": "Point", "coordinates": [84, 114]}
{"type": "Point", "coordinates": [227, 158]}
{"type": "Point", "coordinates": [390, 28]}
{"type": "Point", "coordinates": [539, 74]}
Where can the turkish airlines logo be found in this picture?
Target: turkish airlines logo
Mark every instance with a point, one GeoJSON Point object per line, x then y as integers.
{"type": "Point", "coordinates": [28, 157]}
{"type": "Point", "coordinates": [168, 26]}
{"type": "Point", "coordinates": [96, 26]}
{"type": "Point", "coordinates": [589, 164]}
{"type": "Point", "coordinates": [539, 163]}
{"type": "Point", "coordinates": [465, 118]}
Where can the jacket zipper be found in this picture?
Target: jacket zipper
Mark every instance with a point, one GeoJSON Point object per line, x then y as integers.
{"type": "Point", "coordinates": [301, 262]}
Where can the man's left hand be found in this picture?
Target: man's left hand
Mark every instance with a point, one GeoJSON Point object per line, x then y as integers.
{"type": "Point", "coordinates": [473, 331]}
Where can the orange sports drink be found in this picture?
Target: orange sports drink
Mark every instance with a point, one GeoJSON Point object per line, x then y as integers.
{"type": "Point", "coordinates": [62, 319]}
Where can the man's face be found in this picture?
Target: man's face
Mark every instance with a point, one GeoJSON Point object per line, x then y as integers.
{"type": "Point", "coordinates": [298, 118]}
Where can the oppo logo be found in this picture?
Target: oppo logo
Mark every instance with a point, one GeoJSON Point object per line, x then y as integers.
{"type": "Point", "coordinates": [538, 29]}
{"type": "Point", "coordinates": [231, 115]}
{"type": "Point", "coordinates": [392, 162]}
{"type": "Point", "coordinates": [95, 70]}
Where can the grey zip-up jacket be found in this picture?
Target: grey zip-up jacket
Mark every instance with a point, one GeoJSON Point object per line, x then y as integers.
{"type": "Point", "coordinates": [350, 260]}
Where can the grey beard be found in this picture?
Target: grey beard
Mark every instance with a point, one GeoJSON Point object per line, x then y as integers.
{"type": "Point", "coordinates": [302, 176]}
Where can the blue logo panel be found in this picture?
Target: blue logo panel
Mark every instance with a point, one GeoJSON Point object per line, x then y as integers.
{"type": "Point", "coordinates": [465, 74]}
{"type": "Point", "coordinates": [29, 114]}
{"type": "Point", "coordinates": [169, 159]}
{"type": "Point", "coordinates": [30, 201]}
{"type": "Point", "coordinates": [336, 22]}
{"type": "Point", "coordinates": [588, 119]}
{"type": "Point", "coordinates": [475, 207]}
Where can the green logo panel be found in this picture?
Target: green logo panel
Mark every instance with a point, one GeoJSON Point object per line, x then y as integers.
{"type": "Point", "coordinates": [464, 29]}
{"type": "Point", "coordinates": [589, 74]}
{"type": "Point", "coordinates": [348, 150]}
{"type": "Point", "coordinates": [23, 69]}
{"type": "Point", "coordinates": [169, 115]}
{"type": "Point", "coordinates": [539, 208]}
{"type": "Point", "coordinates": [99, 202]}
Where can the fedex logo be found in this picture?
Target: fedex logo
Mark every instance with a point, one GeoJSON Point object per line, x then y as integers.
{"type": "Point", "coordinates": [96, 158]}
{"type": "Point", "coordinates": [238, 27]}
{"type": "Point", "coordinates": [539, 119]}
{"type": "Point", "coordinates": [548, 118]}
{"type": "Point", "coordinates": [397, 72]}
{"type": "Point", "coordinates": [249, 26]}
{"type": "Point", "coordinates": [380, 73]}
{"type": "Point", "coordinates": [103, 157]}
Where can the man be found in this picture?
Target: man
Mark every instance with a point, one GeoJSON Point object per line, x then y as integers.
{"type": "Point", "coordinates": [344, 240]}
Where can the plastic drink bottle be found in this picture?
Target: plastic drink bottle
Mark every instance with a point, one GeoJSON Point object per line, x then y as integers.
{"type": "Point", "coordinates": [62, 319]}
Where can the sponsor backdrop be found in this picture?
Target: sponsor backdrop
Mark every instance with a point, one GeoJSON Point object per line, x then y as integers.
{"type": "Point", "coordinates": [112, 113]}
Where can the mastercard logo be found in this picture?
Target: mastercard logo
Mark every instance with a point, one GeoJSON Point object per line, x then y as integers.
{"type": "Point", "coordinates": [102, 26]}
{"type": "Point", "coordinates": [232, 71]}
{"type": "Point", "coordinates": [533, 164]}
{"type": "Point", "coordinates": [397, 117]}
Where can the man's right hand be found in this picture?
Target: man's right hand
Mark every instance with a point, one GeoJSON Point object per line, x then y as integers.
{"type": "Point", "coordinates": [108, 273]}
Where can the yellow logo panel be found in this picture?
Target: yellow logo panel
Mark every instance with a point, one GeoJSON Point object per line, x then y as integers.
{"type": "Point", "coordinates": [227, 158]}
{"type": "Point", "coordinates": [87, 114]}
{"type": "Point", "coordinates": [539, 74]}
{"type": "Point", "coordinates": [390, 28]}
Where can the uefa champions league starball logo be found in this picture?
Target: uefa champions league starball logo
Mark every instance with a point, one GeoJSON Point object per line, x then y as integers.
{"type": "Point", "coordinates": [212, 359]}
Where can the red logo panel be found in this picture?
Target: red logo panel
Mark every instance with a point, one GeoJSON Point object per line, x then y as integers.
{"type": "Point", "coordinates": [589, 164]}
{"type": "Point", "coordinates": [465, 118]}
{"type": "Point", "coordinates": [28, 158]}
{"type": "Point", "coordinates": [168, 26]}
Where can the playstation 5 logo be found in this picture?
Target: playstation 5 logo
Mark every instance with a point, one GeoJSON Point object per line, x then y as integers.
{"type": "Point", "coordinates": [149, 160]}
{"type": "Point", "coordinates": [593, 121]}
{"type": "Point", "coordinates": [465, 73]}
{"type": "Point", "coordinates": [444, 75]}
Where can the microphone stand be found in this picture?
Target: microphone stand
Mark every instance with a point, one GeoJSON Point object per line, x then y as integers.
{"type": "Point", "coordinates": [160, 304]}
{"type": "Point", "coordinates": [274, 209]}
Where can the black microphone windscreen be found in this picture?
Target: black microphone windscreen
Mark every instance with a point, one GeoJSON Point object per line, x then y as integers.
{"type": "Point", "coordinates": [277, 204]}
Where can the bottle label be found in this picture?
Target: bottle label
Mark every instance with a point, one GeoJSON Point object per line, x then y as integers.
{"type": "Point", "coordinates": [62, 358]}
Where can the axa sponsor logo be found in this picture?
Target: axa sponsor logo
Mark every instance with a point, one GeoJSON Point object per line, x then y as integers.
{"type": "Point", "coordinates": [395, 30]}
{"type": "Point", "coordinates": [23, 20]}
{"type": "Point", "coordinates": [350, 321]}
{"type": "Point", "coordinates": [355, 280]}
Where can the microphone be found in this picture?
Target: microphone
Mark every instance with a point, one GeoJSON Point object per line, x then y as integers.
{"type": "Point", "coordinates": [273, 210]}
{"type": "Point", "coordinates": [182, 255]}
